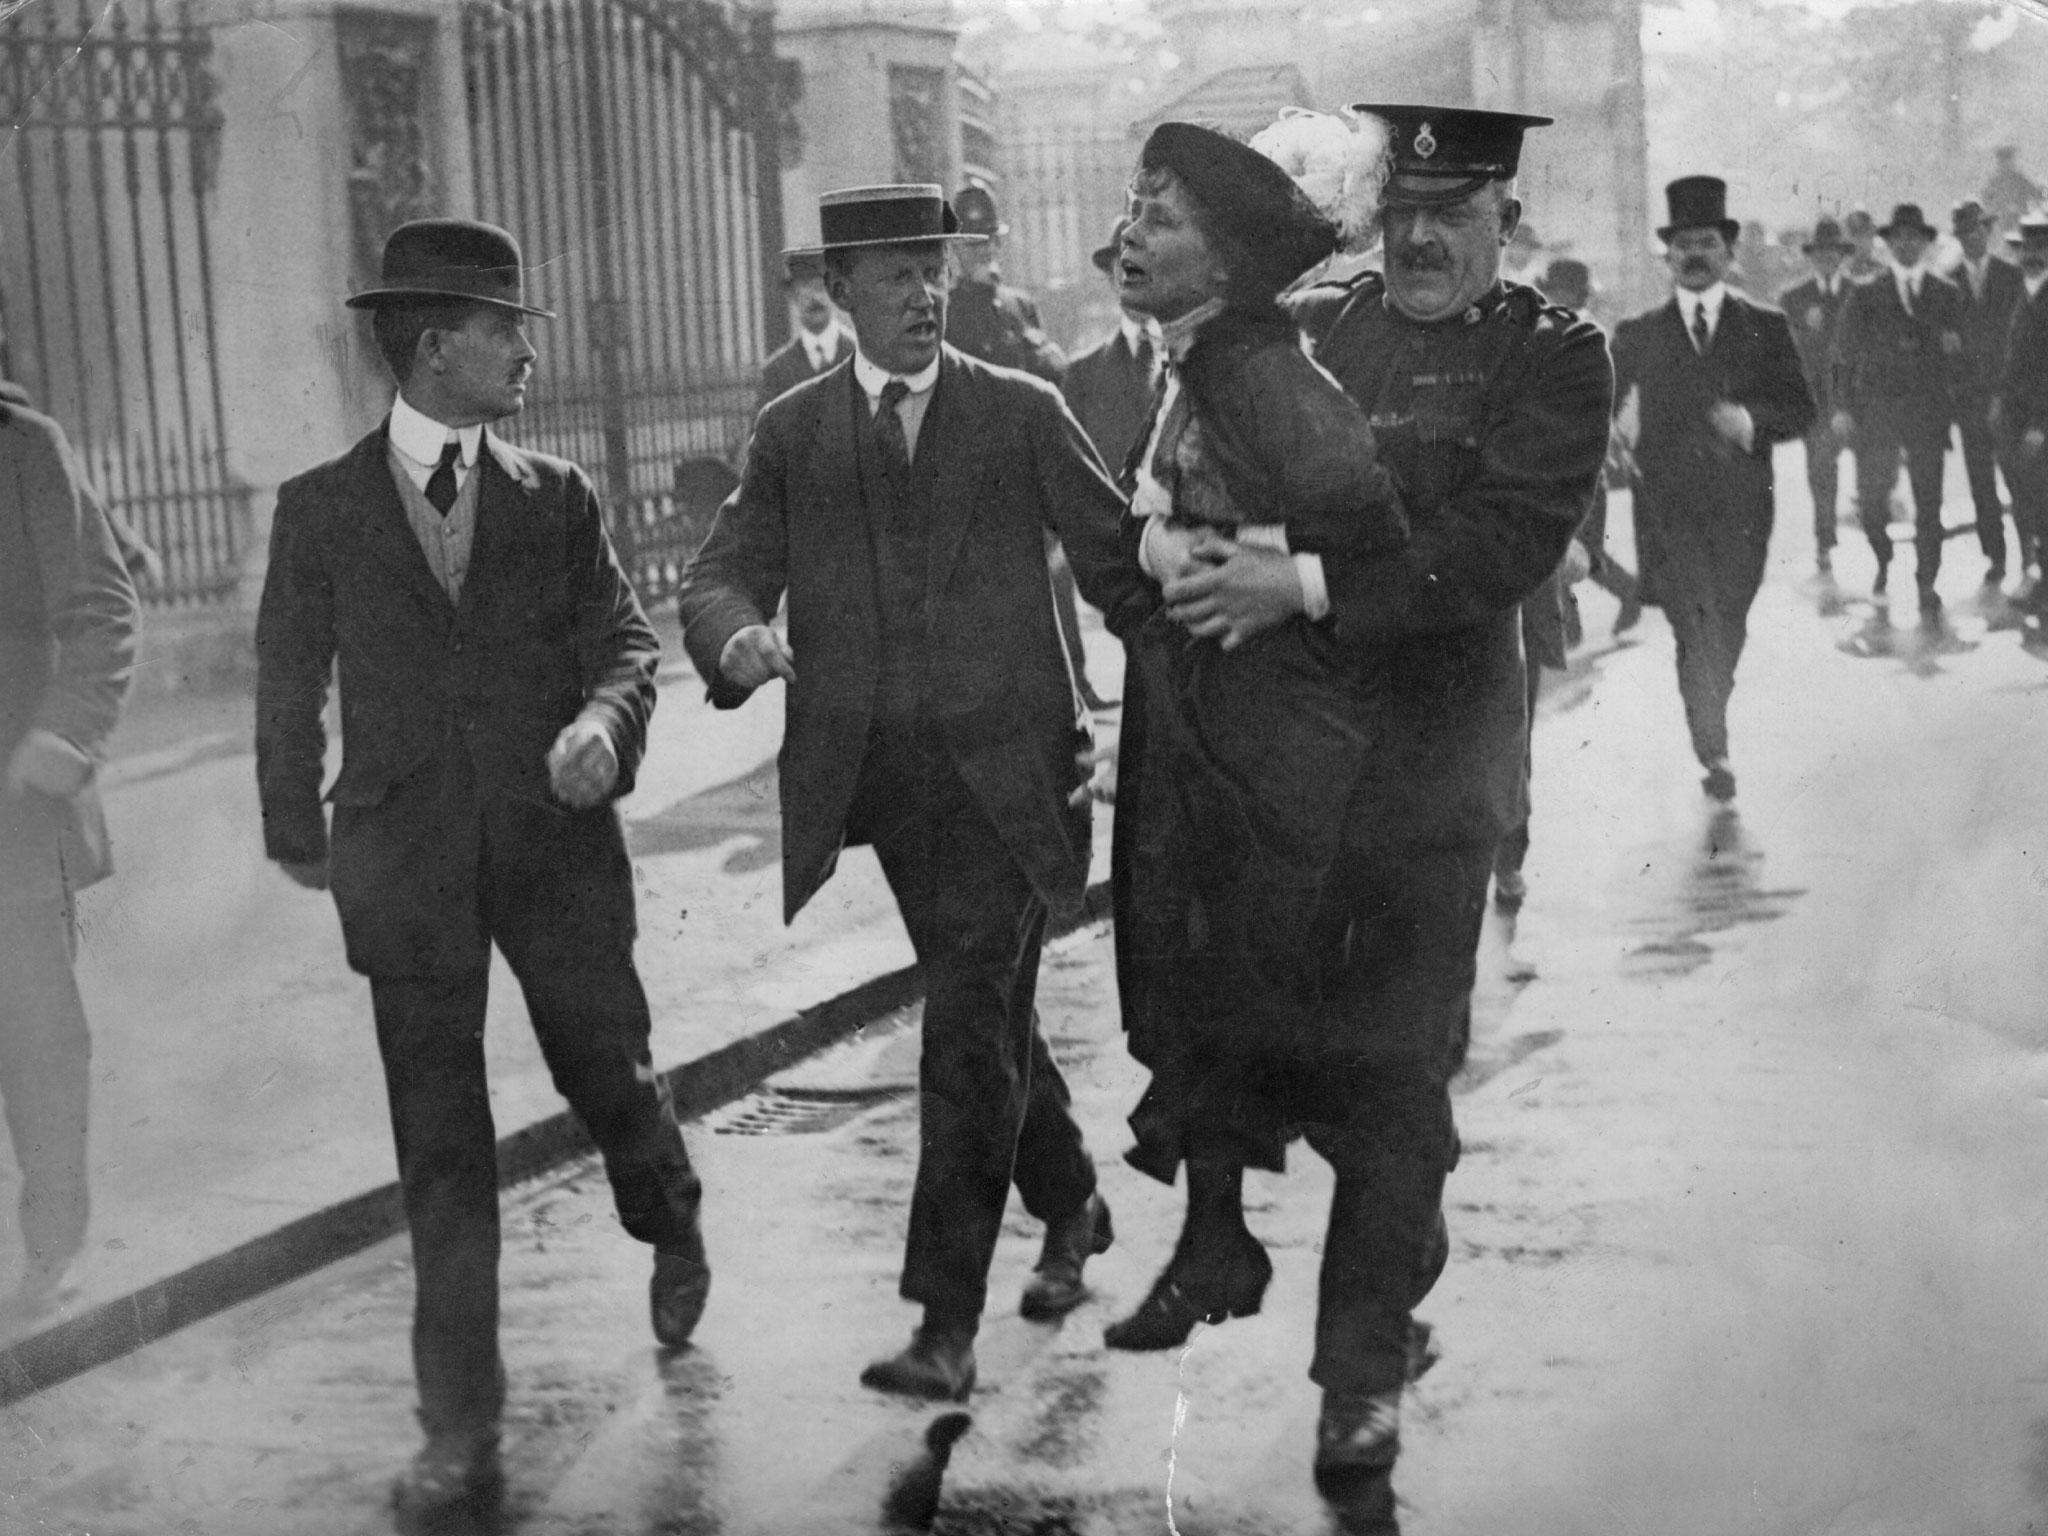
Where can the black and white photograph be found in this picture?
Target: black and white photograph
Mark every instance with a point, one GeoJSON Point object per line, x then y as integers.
{"type": "Point", "coordinates": [1024, 767]}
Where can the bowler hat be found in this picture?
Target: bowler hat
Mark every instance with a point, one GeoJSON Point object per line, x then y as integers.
{"type": "Point", "coordinates": [1827, 236]}
{"type": "Point", "coordinates": [1907, 216]}
{"type": "Point", "coordinates": [431, 260]}
{"type": "Point", "coordinates": [1246, 199]}
{"type": "Point", "coordinates": [1967, 215]}
{"type": "Point", "coordinates": [1104, 256]}
{"type": "Point", "coordinates": [976, 206]}
{"type": "Point", "coordinates": [1445, 154]}
{"type": "Point", "coordinates": [1698, 202]}
{"type": "Point", "coordinates": [901, 213]}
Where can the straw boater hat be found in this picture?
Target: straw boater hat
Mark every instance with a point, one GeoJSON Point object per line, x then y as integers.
{"type": "Point", "coordinates": [433, 260]}
{"type": "Point", "coordinates": [905, 213]}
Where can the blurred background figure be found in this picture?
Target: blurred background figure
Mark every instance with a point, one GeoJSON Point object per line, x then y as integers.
{"type": "Point", "coordinates": [2009, 193]}
{"type": "Point", "coordinates": [1991, 290]}
{"type": "Point", "coordinates": [2023, 391]}
{"type": "Point", "coordinates": [1864, 261]}
{"type": "Point", "coordinates": [818, 338]}
{"type": "Point", "coordinates": [1109, 387]}
{"type": "Point", "coordinates": [68, 617]}
{"type": "Point", "coordinates": [1814, 309]}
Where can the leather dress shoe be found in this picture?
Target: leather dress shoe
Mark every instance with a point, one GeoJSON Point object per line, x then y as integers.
{"type": "Point", "coordinates": [677, 1291]}
{"type": "Point", "coordinates": [1358, 1438]}
{"type": "Point", "coordinates": [1055, 1288]}
{"type": "Point", "coordinates": [937, 1363]}
{"type": "Point", "coordinates": [1719, 782]}
{"type": "Point", "coordinates": [453, 1475]}
{"type": "Point", "coordinates": [1188, 1292]}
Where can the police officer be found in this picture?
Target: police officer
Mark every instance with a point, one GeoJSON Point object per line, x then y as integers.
{"type": "Point", "coordinates": [1491, 409]}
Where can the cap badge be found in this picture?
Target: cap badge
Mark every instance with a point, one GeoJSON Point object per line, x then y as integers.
{"type": "Point", "coordinates": [1425, 142]}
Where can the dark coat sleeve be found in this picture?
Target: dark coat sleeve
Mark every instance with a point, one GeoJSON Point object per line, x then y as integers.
{"type": "Point", "coordinates": [737, 577]}
{"type": "Point", "coordinates": [295, 645]}
{"type": "Point", "coordinates": [1776, 394]}
{"type": "Point", "coordinates": [617, 651]}
{"type": "Point", "coordinates": [1495, 540]}
{"type": "Point", "coordinates": [2023, 384]}
{"type": "Point", "coordinates": [1083, 507]}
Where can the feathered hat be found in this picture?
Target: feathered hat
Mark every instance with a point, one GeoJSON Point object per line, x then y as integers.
{"type": "Point", "coordinates": [1340, 162]}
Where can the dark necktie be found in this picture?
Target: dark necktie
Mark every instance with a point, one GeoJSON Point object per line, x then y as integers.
{"type": "Point", "coordinates": [441, 487]}
{"type": "Point", "coordinates": [890, 439]}
{"type": "Point", "coordinates": [1699, 329]}
{"type": "Point", "coordinates": [1142, 355]}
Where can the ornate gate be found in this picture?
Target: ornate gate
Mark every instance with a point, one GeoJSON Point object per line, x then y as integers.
{"type": "Point", "coordinates": [634, 146]}
{"type": "Point", "coordinates": [106, 269]}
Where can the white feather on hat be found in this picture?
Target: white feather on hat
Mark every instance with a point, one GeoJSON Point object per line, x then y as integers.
{"type": "Point", "coordinates": [1340, 162]}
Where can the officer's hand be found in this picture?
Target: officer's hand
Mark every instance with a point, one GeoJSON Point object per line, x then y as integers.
{"type": "Point", "coordinates": [1170, 549]}
{"type": "Point", "coordinates": [312, 875]}
{"type": "Point", "coordinates": [1099, 763]}
{"type": "Point", "coordinates": [583, 765]}
{"type": "Point", "coordinates": [1844, 424]}
{"type": "Point", "coordinates": [1251, 591]}
{"type": "Point", "coordinates": [2032, 443]}
{"type": "Point", "coordinates": [48, 764]}
{"type": "Point", "coordinates": [755, 654]}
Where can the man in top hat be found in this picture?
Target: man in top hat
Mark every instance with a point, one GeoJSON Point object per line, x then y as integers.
{"type": "Point", "coordinates": [67, 644]}
{"type": "Point", "coordinates": [2022, 412]}
{"type": "Point", "coordinates": [817, 342]}
{"type": "Point", "coordinates": [1490, 407]}
{"type": "Point", "coordinates": [900, 505]}
{"type": "Point", "coordinates": [1991, 288]}
{"type": "Point", "coordinates": [497, 675]}
{"type": "Point", "coordinates": [1719, 384]}
{"type": "Point", "coordinates": [1109, 387]}
{"type": "Point", "coordinates": [1814, 309]}
{"type": "Point", "coordinates": [1897, 356]}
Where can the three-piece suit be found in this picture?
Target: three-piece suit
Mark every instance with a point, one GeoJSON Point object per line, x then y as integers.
{"type": "Point", "coordinates": [1989, 303]}
{"type": "Point", "coordinates": [1895, 374]}
{"type": "Point", "coordinates": [1705, 505]}
{"type": "Point", "coordinates": [933, 717]}
{"type": "Point", "coordinates": [448, 839]}
{"type": "Point", "coordinates": [1814, 311]}
{"type": "Point", "coordinates": [67, 644]}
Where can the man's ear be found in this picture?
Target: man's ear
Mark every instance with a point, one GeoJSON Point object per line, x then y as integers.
{"type": "Point", "coordinates": [1510, 218]}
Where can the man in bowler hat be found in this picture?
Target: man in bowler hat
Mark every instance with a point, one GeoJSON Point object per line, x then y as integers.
{"type": "Point", "coordinates": [497, 675]}
{"type": "Point", "coordinates": [900, 505]}
{"type": "Point", "coordinates": [1719, 385]}
{"type": "Point", "coordinates": [1813, 308]}
{"type": "Point", "coordinates": [1991, 289]}
{"type": "Point", "coordinates": [1897, 359]}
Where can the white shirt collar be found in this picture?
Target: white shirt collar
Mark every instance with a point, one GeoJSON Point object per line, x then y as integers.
{"type": "Point", "coordinates": [874, 378]}
{"type": "Point", "coordinates": [1135, 330]}
{"type": "Point", "coordinates": [2033, 280]}
{"type": "Point", "coordinates": [1708, 299]}
{"type": "Point", "coordinates": [420, 438]}
{"type": "Point", "coordinates": [822, 347]}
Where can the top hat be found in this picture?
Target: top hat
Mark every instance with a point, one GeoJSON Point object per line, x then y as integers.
{"type": "Point", "coordinates": [431, 260]}
{"type": "Point", "coordinates": [1698, 202]}
{"type": "Point", "coordinates": [1104, 255]}
{"type": "Point", "coordinates": [1907, 216]}
{"type": "Point", "coordinates": [1827, 236]}
{"type": "Point", "coordinates": [976, 206]}
{"type": "Point", "coordinates": [1445, 154]}
{"type": "Point", "coordinates": [904, 213]}
{"type": "Point", "coordinates": [1968, 214]}
{"type": "Point", "coordinates": [1245, 198]}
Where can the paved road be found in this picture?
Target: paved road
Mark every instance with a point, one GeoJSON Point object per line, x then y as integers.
{"type": "Point", "coordinates": [1748, 1235]}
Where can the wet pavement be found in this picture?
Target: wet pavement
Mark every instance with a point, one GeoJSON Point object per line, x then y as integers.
{"type": "Point", "coordinates": [1747, 1235]}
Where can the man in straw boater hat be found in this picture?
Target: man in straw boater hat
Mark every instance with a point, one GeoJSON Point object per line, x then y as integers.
{"type": "Point", "coordinates": [2023, 391]}
{"type": "Point", "coordinates": [1814, 310]}
{"type": "Point", "coordinates": [1897, 359]}
{"type": "Point", "coordinates": [497, 675]}
{"type": "Point", "coordinates": [1490, 408]}
{"type": "Point", "coordinates": [1719, 384]}
{"type": "Point", "coordinates": [900, 505]}
{"type": "Point", "coordinates": [1991, 289]}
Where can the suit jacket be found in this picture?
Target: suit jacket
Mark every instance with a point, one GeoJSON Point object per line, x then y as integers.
{"type": "Point", "coordinates": [999, 324]}
{"type": "Point", "coordinates": [1987, 325]}
{"type": "Point", "coordinates": [1111, 396]}
{"type": "Point", "coordinates": [1495, 429]}
{"type": "Point", "coordinates": [67, 646]}
{"type": "Point", "coordinates": [790, 365]}
{"type": "Point", "coordinates": [1815, 316]}
{"type": "Point", "coordinates": [1908, 363]}
{"type": "Point", "coordinates": [1013, 463]}
{"type": "Point", "coordinates": [546, 628]}
{"type": "Point", "coordinates": [2023, 385]}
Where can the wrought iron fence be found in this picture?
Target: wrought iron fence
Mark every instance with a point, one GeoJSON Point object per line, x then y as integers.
{"type": "Point", "coordinates": [106, 269]}
{"type": "Point", "coordinates": [634, 147]}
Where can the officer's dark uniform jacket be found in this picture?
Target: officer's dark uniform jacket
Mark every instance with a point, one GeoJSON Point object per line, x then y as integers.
{"type": "Point", "coordinates": [1494, 425]}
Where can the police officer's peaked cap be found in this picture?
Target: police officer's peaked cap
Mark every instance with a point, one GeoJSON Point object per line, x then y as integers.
{"type": "Point", "coordinates": [1444, 154]}
{"type": "Point", "coordinates": [1698, 202]}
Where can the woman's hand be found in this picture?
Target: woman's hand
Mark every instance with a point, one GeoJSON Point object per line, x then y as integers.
{"type": "Point", "coordinates": [1234, 591]}
{"type": "Point", "coordinates": [1170, 550]}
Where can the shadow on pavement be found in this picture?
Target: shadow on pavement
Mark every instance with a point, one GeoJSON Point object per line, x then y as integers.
{"type": "Point", "coordinates": [748, 807]}
{"type": "Point", "coordinates": [1719, 889]}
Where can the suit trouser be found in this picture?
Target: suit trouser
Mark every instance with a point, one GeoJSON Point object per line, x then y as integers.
{"type": "Point", "coordinates": [1980, 462]}
{"type": "Point", "coordinates": [1824, 481]}
{"type": "Point", "coordinates": [992, 1106]}
{"type": "Point", "coordinates": [1412, 920]}
{"type": "Point", "coordinates": [2028, 479]}
{"type": "Point", "coordinates": [1510, 852]}
{"type": "Point", "coordinates": [45, 1070]}
{"type": "Point", "coordinates": [1883, 434]}
{"type": "Point", "coordinates": [590, 1017]}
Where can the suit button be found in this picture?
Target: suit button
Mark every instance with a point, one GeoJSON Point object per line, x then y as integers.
{"type": "Point", "coordinates": [456, 647]}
